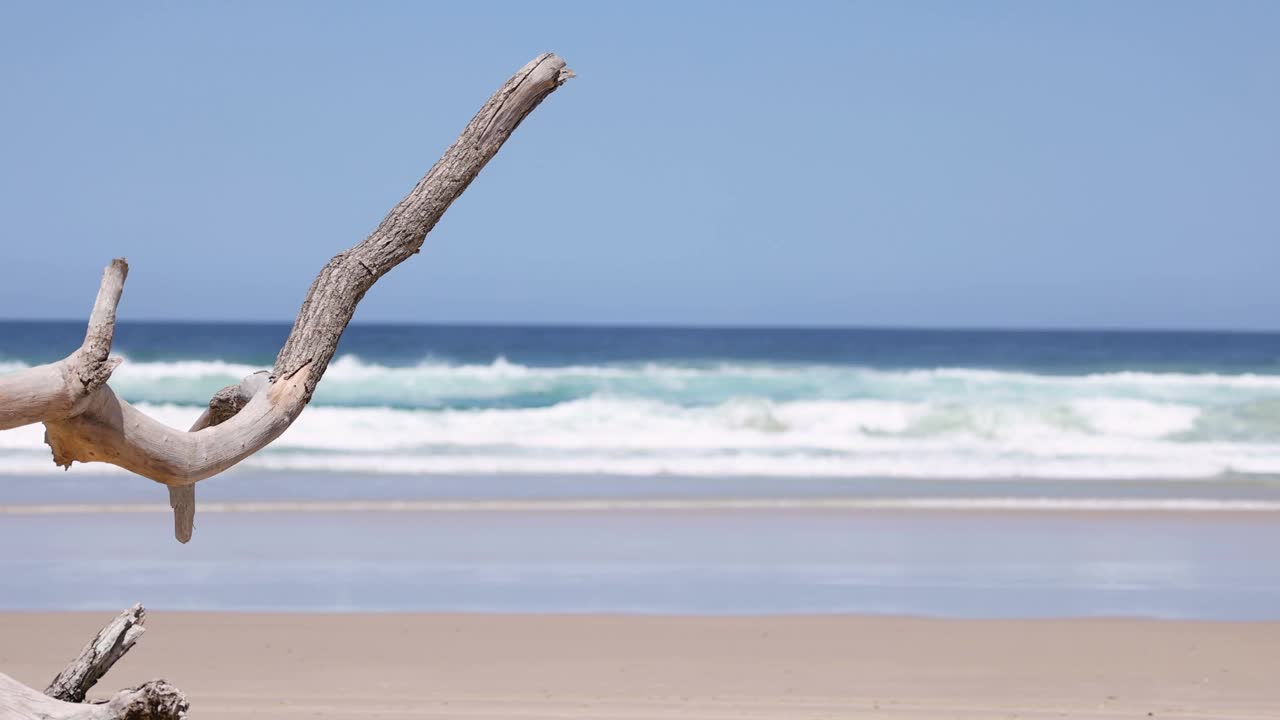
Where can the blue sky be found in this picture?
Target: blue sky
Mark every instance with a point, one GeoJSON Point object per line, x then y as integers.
{"type": "Point", "coordinates": [1003, 164]}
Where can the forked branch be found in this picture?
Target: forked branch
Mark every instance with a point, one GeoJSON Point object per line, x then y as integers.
{"type": "Point", "coordinates": [86, 422]}
{"type": "Point", "coordinates": [108, 646]}
{"type": "Point", "coordinates": [59, 390]}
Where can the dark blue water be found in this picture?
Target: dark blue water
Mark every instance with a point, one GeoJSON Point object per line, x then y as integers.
{"type": "Point", "coordinates": [1066, 352]}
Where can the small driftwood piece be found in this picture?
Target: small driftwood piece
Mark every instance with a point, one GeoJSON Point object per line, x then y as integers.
{"type": "Point", "coordinates": [64, 698]}
{"type": "Point", "coordinates": [108, 646]}
{"type": "Point", "coordinates": [86, 422]}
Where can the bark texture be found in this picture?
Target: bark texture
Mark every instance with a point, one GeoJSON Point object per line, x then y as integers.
{"type": "Point", "coordinates": [86, 422]}
{"type": "Point", "coordinates": [108, 646]}
{"type": "Point", "coordinates": [225, 403]}
{"type": "Point", "coordinates": [154, 700]}
{"type": "Point", "coordinates": [343, 282]}
{"type": "Point", "coordinates": [59, 390]}
{"type": "Point", "coordinates": [64, 698]}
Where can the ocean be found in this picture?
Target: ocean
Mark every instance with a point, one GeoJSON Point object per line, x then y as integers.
{"type": "Point", "coordinates": [680, 470]}
{"type": "Point", "coordinates": [799, 403]}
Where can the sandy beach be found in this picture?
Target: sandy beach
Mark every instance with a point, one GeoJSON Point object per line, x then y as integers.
{"type": "Point", "coordinates": [942, 382]}
{"type": "Point", "coordinates": [583, 666]}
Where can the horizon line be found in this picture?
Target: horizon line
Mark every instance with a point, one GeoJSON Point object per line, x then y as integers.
{"type": "Point", "coordinates": [658, 325]}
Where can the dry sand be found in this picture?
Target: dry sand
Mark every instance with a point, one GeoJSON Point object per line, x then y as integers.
{"type": "Point", "coordinates": [618, 667]}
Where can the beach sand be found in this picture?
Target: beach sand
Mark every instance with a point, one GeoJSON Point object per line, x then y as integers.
{"type": "Point", "coordinates": [634, 667]}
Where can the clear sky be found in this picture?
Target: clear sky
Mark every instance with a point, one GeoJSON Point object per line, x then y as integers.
{"type": "Point", "coordinates": [1025, 164]}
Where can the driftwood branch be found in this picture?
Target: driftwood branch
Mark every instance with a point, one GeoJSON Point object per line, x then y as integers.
{"type": "Point", "coordinates": [222, 407]}
{"type": "Point", "coordinates": [64, 698]}
{"type": "Point", "coordinates": [332, 299]}
{"type": "Point", "coordinates": [108, 646]}
{"type": "Point", "coordinates": [85, 421]}
{"type": "Point", "coordinates": [154, 700]}
{"type": "Point", "coordinates": [59, 390]}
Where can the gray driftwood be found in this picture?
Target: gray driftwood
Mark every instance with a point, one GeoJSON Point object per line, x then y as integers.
{"type": "Point", "coordinates": [108, 646]}
{"type": "Point", "coordinates": [86, 422]}
{"type": "Point", "coordinates": [64, 698]}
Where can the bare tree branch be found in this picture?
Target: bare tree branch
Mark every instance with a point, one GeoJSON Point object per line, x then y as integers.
{"type": "Point", "coordinates": [343, 282]}
{"type": "Point", "coordinates": [86, 422]}
{"type": "Point", "coordinates": [58, 390]}
{"type": "Point", "coordinates": [108, 646]}
{"type": "Point", "coordinates": [222, 407]}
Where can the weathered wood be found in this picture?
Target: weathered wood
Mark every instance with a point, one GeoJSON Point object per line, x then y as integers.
{"type": "Point", "coordinates": [225, 403]}
{"type": "Point", "coordinates": [86, 422]}
{"type": "Point", "coordinates": [154, 700]}
{"type": "Point", "coordinates": [59, 390]}
{"type": "Point", "coordinates": [182, 498]}
{"type": "Point", "coordinates": [332, 298]}
{"type": "Point", "coordinates": [108, 646]}
{"type": "Point", "coordinates": [231, 399]}
{"type": "Point", "coordinates": [64, 698]}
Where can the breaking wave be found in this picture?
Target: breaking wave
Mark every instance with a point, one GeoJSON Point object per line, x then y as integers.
{"type": "Point", "coordinates": [695, 419]}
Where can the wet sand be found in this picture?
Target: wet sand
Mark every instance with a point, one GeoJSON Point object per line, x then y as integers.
{"type": "Point", "coordinates": [775, 561]}
{"type": "Point", "coordinates": [591, 666]}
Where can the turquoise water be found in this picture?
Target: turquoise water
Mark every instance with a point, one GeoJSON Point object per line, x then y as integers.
{"type": "Point", "coordinates": [444, 401]}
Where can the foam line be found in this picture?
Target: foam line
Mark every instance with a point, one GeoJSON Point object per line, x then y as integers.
{"type": "Point", "coordinates": [939, 504]}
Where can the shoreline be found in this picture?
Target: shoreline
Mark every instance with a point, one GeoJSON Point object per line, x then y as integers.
{"type": "Point", "coordinates": [95, 484]}
{"type": "Point", "coordinates": [1041, 504]}
{"type": "Point", "coordinates": [341, 666]}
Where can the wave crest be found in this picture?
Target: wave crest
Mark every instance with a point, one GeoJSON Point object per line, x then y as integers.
{"type": "Point", "coordinates": [737, 419]}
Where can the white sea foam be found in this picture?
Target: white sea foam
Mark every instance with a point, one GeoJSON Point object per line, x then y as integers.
{"type": "Point", "coordinates": [352, 381]}
{"type": "Point", "coordinates": [735, 419]}
{"type": "Point", "coordinates": [975, 375]}
{"type": "Point", "coordinates": [937, 504]}
{"type": "Point", "coordinates": [605, 435]}
{"type": "Point", "coordinates": [1135, 418]}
